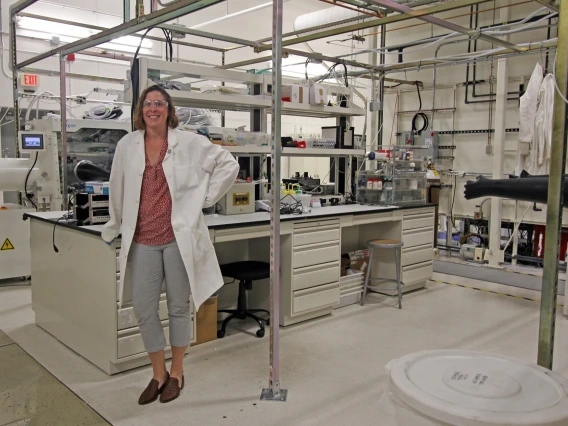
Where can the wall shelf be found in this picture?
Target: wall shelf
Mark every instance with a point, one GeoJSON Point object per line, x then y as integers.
{"type": "Point", "coordinates": [216, 101]}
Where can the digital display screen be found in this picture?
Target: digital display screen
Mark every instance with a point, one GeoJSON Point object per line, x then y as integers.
{"type": "Point", "coordinates": [32, 141]}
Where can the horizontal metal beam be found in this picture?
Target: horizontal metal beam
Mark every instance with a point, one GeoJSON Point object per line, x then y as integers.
{"type": "Point", "coordinates": [327, 58]}
{"type": "Point", "coordinates": [180, 8]}
{"type": "Point", "coordinates": [532, 48]}
{"type": "Point", "coordinates": [97, 28]}
{"type": "Point", "coordinates": [19, 6]}
{"type": "Point", "coordinates": [445, 24]}
{"type": "Point", "coordinates": [212, 36]}
{"type": "Point", "coordinates": [376, 22]}
{"type": "Point", "coordinates": [252, 61]}
{"type": "Point", "coordinates": [551, 4]}
{"type": "Point", "coordinates": [73, 75]}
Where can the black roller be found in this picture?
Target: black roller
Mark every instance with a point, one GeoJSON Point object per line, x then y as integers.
{"type": "Point", "coordinates": [85, 171]}
{"type": "Point", "coordinates": [530, 188]}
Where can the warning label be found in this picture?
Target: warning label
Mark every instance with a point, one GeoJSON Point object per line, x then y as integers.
{"type": "Point", "coordinates": [7, 245]}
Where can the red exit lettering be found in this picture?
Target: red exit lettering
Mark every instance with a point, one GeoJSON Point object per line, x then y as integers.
{"type": "Point", "coordinates": [30, 80]}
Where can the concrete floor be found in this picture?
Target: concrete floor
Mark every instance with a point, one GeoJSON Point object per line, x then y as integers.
{"type": "Point", "coordinates": [333, 367]}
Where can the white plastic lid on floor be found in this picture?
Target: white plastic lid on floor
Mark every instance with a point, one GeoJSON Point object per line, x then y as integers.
{"type": "Point", "coordinates": [462, 388]}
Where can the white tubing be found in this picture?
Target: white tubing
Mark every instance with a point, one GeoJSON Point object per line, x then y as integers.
{"type": "Point", "coordinates": [13, 172]}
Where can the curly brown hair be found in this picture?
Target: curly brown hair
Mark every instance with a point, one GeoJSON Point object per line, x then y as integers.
{"type": "Point", "coordinates": [139, 122]}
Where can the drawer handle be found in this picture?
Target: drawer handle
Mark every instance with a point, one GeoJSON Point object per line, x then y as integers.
{"type": "Point", "coordinates": [417, 266]}
{"type": "Point", "coordinates": [312, 247]}
{"type": "Point", "coordinates": [315, 290]}
{"type": "Point", "coordinates": [316, 268]}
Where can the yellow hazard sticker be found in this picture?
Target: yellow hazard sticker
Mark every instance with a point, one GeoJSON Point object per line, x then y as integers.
{"type": "Point", "coordinates": [7, 245]}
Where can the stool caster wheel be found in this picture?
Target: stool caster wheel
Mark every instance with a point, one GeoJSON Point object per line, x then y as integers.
{"type": "Point", "coordinates": [260, 333]}
{"type": "Point", "coordinates": [220, 334]}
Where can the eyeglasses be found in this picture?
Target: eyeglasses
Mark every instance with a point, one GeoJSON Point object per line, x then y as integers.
{"type": "Point", "coordinates": [156, 104]}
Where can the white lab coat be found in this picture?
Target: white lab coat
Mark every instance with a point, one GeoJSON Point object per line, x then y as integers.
{"type": "Point", "coordinates": [198, 173]}
{"type": "Point", "coordinates": [527, 114]}
{"type": "Point", "coordinates": [535, 127]}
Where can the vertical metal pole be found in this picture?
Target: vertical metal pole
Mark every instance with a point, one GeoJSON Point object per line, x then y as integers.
{"type": "Point", "coordinates": [273, 392]}
{"type": "Point", "coordinates": [373, 44]}
{"type": "Point", "coordinates": [555, 198]}
{"type": "Point", "coordinates": [222, 84]}
{"type": "Point", "coordinates": [63, 94]}
{"type": "Point", "coordinates": [126, 11]}
{"type": "Point", "coordinates": [499, 150]}
{"type": "Point", "coordinates": [14, 59]}
{"type": "Point", "coordinates": [381, 87]}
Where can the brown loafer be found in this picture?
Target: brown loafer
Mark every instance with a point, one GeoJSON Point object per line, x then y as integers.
{"type": "Point", "coordinates": [171, 389]}
{"type": "Point", "coordinates": [152, 391]}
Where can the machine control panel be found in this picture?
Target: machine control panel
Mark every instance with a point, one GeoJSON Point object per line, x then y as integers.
{"type": "Point", "coordinates": [33, 141]}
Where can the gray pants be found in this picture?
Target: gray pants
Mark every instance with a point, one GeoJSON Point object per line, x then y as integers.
{"type": "Point", "coordinates": [150, 265]}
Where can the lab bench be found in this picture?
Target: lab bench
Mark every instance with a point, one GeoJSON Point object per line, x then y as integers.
{"type": "Point", "coordinates": [75, 290]}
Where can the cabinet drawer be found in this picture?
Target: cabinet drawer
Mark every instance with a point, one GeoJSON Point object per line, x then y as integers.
{"type": "Point", "coordinates": [314, 276]}
{"type": "Point", "coordinates": [315, 255]}
{"type": "Point", "coordinates": [418, 254]}
{"type": "Point", "coordinates": [314, 225]}
{"type": "Point", "coordinates": [316, 298]}
{"type": "Point", "coordinates": [302, 238]}
{"type": "Point", "coordinates": [415, 273]}
{"type": "Point", "coordinates": [126, 318]}
{"type": "Point", "coordinates": [132, 344]}
{"type": "Point", "coordinates": [418, 237]}
{"type": "Point", "coordinates": [417, 221]}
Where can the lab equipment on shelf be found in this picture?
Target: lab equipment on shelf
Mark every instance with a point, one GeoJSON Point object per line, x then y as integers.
{"type": "Point", "coordinates": [399, 177]}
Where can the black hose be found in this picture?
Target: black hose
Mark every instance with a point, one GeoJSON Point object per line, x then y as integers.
{"type": "Point", "coordinates": [30, 199]}
{"type": "Point", "coordinates": [424, 117]}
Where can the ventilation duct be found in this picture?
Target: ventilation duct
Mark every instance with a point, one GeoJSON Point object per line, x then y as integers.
{"type": "Point", "coordinates": [332, 16]}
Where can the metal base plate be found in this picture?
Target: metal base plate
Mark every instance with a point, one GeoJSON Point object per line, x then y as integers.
{"type": "Point", "coordinates": [267, 395]}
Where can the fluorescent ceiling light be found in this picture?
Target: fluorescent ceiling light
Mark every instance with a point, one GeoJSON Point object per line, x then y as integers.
{"type": "Point", "coordinates": [295, 66]}
{"type": "Point", "coordinates": [70, 33]}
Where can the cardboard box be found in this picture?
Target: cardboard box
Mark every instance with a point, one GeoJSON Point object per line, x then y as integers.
{"type": "Point", "coordinates": [206, 321]}
{"type": "Point", "coordinates": [318, 94]}
{"type": "Point", "coordinates": [357, 260]}
{"type": "Point", "coordinates": [296, 93]}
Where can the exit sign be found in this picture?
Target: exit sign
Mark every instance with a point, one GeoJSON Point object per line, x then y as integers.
{"type": "Point", "coordinates": [30, 80]}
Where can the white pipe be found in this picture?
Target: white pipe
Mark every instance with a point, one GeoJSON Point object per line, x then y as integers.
{"type": "Point", "coordinates": [234, 15]}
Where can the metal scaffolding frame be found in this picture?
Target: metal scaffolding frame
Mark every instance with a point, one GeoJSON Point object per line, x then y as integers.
{"type": "Point", "coordinates": [277, 45]}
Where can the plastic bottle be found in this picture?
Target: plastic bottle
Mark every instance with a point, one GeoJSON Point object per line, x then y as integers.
{"type": "Point", "coordinates": [370, 183]}
{"type": "Point", "coordinates": [376, 183]}
{"type": "Point", "coordinates": [380, 184]}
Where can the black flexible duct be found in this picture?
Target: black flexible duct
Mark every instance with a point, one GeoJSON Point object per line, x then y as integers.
{"type": "Point", "coordinates": [85, 171]}
{"type": "Point", "coordinates": [533, 189]}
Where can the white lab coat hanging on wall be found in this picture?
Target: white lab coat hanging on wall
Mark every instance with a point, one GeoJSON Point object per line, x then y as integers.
{"type": "Point", "coordinates": [535, 127]}
{"type": "Point", "coordinates": [538, 161]}
{"type": "Point", "coordinates": [527, 115]}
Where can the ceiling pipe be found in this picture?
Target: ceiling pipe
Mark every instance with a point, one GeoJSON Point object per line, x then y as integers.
{"type": "Point", "coordinates": [438, 8]}
{"type": "Point", "coordinates": [333, 2]}
{"type": "Point", "coordinates": [234, 15]}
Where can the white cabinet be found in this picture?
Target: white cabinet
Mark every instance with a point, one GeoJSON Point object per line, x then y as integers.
{"type": "Point", "coordinates": [418, 238]}
{"type": "Point", "coordinates": [312, 270]}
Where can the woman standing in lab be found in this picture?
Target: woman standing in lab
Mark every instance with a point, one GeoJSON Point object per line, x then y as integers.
{"type": "Point", "coordinates": [161, 179]}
